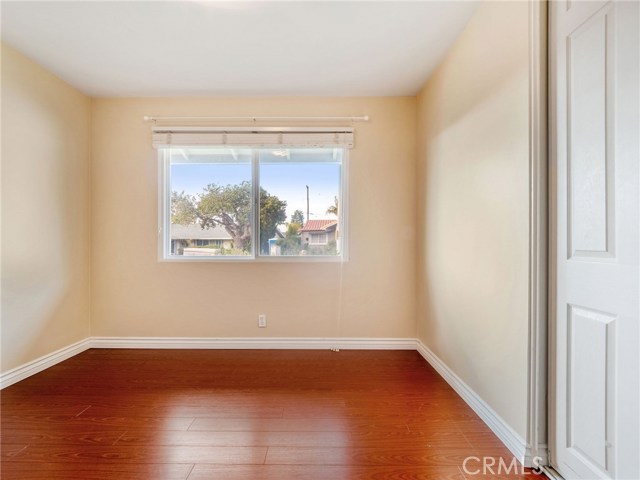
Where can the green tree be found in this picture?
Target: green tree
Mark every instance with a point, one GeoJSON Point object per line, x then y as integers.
{"type": "Point", "coordinates": [272, 214]}
{"type": "Point", "coordinates": [298, 217]}
{"type": "Point", "coordinates": [230, 207]}
{"type": "Point", "coordinates": [183, 210]}
{"type": "Point", "coordinates": [333, 209]}
{"type": "Point", "coordinates": [330, 248]}
{"type": "Point", "coordinates": [290, 244]}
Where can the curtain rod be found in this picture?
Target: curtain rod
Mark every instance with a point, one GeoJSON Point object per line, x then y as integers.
{"type": "Point", "coordinates": [364, 118]}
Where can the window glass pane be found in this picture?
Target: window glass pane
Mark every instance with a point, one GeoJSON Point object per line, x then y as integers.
{"type": "Point", "coordinates": [299, 201]}
{"type": "Point", "coordinates": [211, 199]}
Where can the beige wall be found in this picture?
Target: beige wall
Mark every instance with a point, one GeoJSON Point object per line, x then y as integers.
{"type": "Point", "coordinates": [473, 209]}
{"type": "Point", "coordinates": [373, 295]}
{"type": "Point", "coordinates": [45, 212]}
{"type": "Point", "coordinates": [451, 246]}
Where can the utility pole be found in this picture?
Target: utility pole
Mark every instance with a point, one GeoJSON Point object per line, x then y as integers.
{"type": "Point", "coordinates": [307, 202]}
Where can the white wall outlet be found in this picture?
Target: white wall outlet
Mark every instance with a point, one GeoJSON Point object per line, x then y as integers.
{"type": "Point", "coordinates": [262, 321]}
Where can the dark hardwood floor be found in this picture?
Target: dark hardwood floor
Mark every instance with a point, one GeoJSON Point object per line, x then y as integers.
{"type": "Point", "coordinates": [242, 414]}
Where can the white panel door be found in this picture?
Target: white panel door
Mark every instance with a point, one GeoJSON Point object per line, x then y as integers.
{"type": "Point", "coordinates": [595, 153]}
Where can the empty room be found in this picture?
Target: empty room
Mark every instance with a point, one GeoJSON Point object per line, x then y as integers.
{"type": "Point", "coordinates": [320, 240]}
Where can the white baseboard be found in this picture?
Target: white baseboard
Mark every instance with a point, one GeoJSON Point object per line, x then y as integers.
{"type": "Point", "coordinates": [255, 343]}
{"type": "Point", "coordinates": [514, 442]}
{"type": "Point", "coordinates": [31, 368]}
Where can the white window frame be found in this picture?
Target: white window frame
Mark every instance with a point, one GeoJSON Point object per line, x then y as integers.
{"type": "Point", "coordinates": [164, 209]}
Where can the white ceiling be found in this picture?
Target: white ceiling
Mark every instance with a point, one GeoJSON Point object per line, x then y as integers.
{"type": "Point", "coordinates": [189, 47]}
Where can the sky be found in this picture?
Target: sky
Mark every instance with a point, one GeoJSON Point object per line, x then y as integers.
{"type": "Point", "coordinates": [287, 181]}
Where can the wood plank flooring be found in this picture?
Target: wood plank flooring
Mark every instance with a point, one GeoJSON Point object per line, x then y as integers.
{"type": "Point", "coordinates": [241, 414]}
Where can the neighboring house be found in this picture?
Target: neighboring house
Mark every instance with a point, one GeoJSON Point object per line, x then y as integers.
{"type": "Point", "coordinates": [194, 236]}
{"type": "Point", "coordinates": [319, 232]}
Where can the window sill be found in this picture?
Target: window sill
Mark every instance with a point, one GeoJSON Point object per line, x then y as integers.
{"type": "Point", "coordinates": [279, 259]}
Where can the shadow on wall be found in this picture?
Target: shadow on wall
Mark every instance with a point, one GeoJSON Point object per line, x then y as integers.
{"type": "Point", "coordinates": [484, 63]}
{"type": "Point", "coordinates": [45, 212]}
{"type": "Point", "coordinates": [475, 69]}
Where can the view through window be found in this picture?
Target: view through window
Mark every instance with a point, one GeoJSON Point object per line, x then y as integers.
{"type": "Point", "coordinates": [226, 202]}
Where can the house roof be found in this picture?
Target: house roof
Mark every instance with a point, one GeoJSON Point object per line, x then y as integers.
{"type": "Point", "coordinates": [195, 231]}
{"type": "Point", "coordinates": [319, 226]}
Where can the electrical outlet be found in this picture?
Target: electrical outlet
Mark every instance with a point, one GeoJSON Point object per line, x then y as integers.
{"type": "Point", "coordinates": [262, 321]}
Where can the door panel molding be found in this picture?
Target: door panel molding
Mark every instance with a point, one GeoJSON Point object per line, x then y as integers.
{"type": "Point", "coordinates": [591, 373]}
{"type": "Point", "coordinates": [591, 161]}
